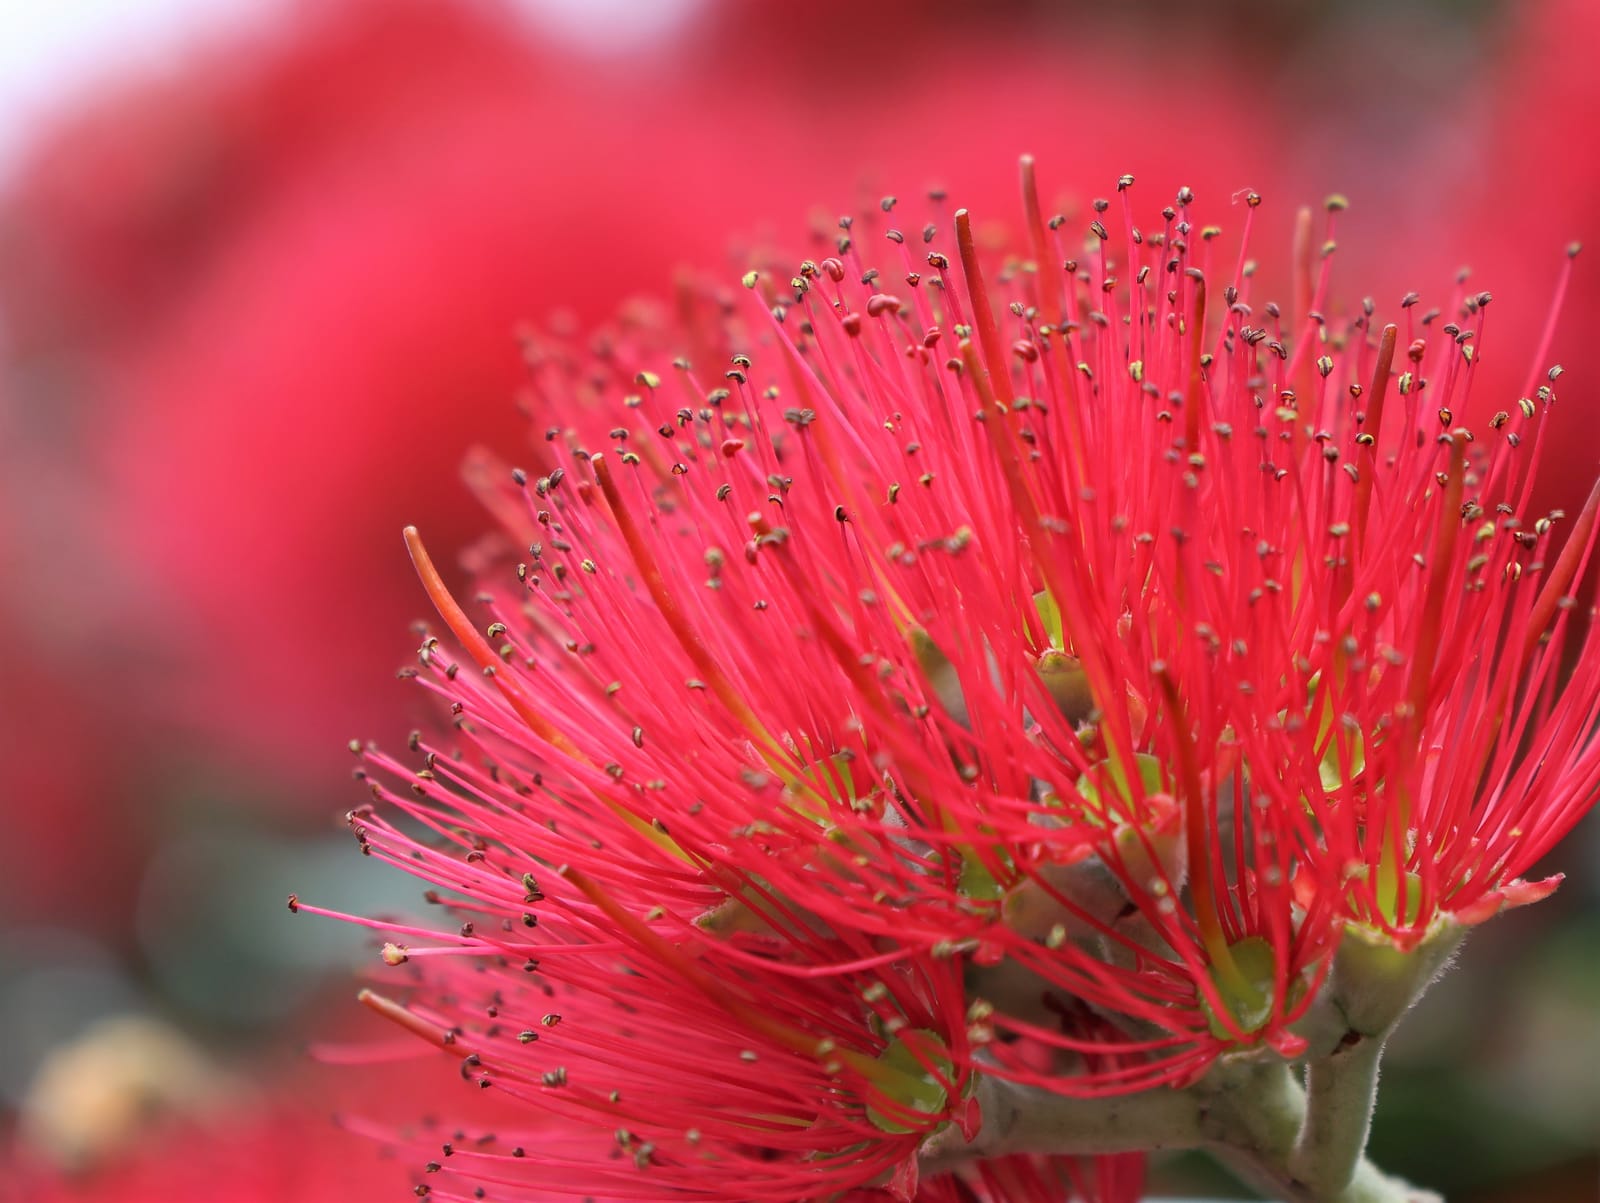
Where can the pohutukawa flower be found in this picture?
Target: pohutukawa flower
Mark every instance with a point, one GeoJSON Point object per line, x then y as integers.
{"type": "Point", "coordinates": [1021, 667]}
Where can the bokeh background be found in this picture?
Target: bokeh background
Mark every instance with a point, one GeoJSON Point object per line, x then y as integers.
{"type": "Point", "coordinates": [262, 270]}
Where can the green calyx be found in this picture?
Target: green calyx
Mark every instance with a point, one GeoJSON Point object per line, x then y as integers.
{"type": "Point", "coordinates": [1244, 979]}
{"type": "Point", "coordinates": [1066, 681]}
{"type": "Point", "coordinates": [1111, 777]}
{"type": "Point", "coordinates": [1155, 855]}
{"type": "Point", "coordinates": [977, 883]}
{"type": "Point", "coordinates": [1050, 616]}
{"type": "Point", "coordinates": [1334, 773]}
{"type": "Point", "coordinates": [904, 1084]}
{"type": "Point", "coordinates": [1398, 896]}
{"type": "Point", "coordinates": [1375, 981]}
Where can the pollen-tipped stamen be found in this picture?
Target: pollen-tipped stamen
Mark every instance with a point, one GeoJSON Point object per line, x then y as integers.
{"type": "Point", "coordinates": [677, 621]}
{"type": "Point", "coordinates": [1563, 575]}
{"type": "Point", "coordinates": [408, 1019]}
{"type": "Point", "coordinates": [880, 1073]}
{"type": "Point", "coordinates": [1391, 883]}
{"type": "Point", "coordinates": [476, 645]}
{"type": "Point", "coordinates": [1373, 429]}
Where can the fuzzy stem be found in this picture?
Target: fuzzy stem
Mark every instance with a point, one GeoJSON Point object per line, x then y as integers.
{"type": "Point", "coordinates": [1025, 1119]}
{"type": "Point", "coordinates": [1371, 988]}
{"type": "Point", "coordinates": [1263, 1114]}
{"type": "Point", "coordinates": [1341, 1091]}
{"type": "Point", "coordinates": [1248, 1115]}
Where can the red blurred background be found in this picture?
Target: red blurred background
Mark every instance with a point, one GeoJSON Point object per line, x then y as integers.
{"type": "Point", "coordinates": [258, 304]}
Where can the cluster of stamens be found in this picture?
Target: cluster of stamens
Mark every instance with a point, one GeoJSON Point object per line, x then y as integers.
{"type": "Point", "coordinates": [1029, 666]}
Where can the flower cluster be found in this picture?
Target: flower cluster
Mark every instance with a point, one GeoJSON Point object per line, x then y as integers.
{"type": "Point", "coordinates": [1023, 666]}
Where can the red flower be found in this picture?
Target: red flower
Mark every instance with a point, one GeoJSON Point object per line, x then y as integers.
{"type": "Point", "coordinates": [1013, 671]}
{"type": "Point", "coordinates": [1451, 751]}
{"type": "Point", "coordinates": [1515, 234]}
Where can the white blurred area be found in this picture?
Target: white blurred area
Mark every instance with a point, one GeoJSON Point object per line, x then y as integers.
{"type": "Point", "coordinates": [49, 51]}
{"type": "Point", "coordinates": [52, 49]}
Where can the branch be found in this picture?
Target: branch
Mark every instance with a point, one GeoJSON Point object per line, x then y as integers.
{"type": "Point", "coordinates": [1248, 1114]}
{"type": "Point", "coordinates": [1025, 1119]}
{"type": "Point", "coordinates": [1261, 1114]}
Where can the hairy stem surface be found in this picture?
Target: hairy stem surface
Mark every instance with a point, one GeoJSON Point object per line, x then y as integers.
{"type": "Point", "coordinates": [1251, 1116]}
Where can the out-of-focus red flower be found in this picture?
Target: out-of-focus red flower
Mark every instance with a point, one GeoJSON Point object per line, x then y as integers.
{"type": "Point", "coordinates": [1487, 181]}
{"type": "Point", "coordinates": [277, 294]}
{"type": "Point", "coordinates": [260, 1157]}
{"type": "Point", "coordinates": [132, 1112]}
{"type": "Point", "coordinates": [75, 812]}
{"type": "Point", "coordinates": [1546, 116]}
